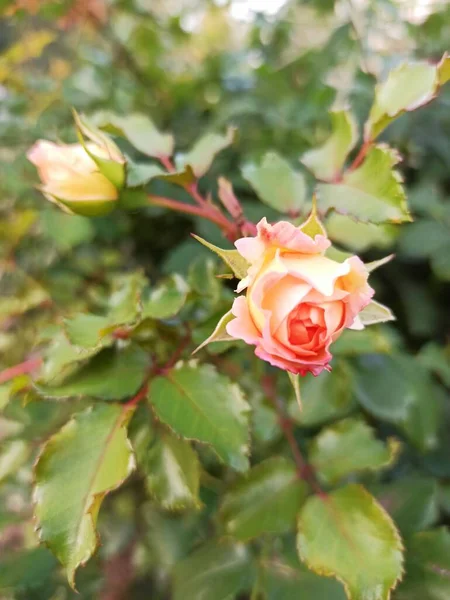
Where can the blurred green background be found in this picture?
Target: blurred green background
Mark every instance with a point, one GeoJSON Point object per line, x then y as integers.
{"type": "Point", "coordinates": [273, 69]}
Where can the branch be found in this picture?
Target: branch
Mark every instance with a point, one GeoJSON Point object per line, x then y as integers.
{"type": "Point", "coordinates": [206, 212]}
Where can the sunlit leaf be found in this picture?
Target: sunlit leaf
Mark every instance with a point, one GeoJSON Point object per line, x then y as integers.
{"type": "Point", "coordinates": [349, 536]}
{"type": "Point", "coordinates": [79, 465]}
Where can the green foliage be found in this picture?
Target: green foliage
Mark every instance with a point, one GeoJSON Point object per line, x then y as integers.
{"type": "Point", "coordinates": [99, 317]}
{"type": "Point", "coordinates": [199, 404]}
{"type": "Point", "coordinates": [367, 558]}
{"type": "Point", "coordinates": [78, 466]}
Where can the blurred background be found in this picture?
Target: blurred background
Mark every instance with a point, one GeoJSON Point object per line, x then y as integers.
{"type": "Point", "coordinates": [272, 68]}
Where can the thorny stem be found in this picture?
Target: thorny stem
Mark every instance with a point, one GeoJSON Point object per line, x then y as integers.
{"type": "Point", "coordinates": [304, 470]}
{"type": "Point", "coordinates": [28, 366]}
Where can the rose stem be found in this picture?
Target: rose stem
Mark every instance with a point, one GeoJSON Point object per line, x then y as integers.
{"type": "Point", "coordinates": [304, 470]}
{"type": "Point", "coordinates": [205, 212]}
{"type": "Point", "coordinates": [21, 369]}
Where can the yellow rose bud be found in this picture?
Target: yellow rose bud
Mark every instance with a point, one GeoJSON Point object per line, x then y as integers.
{"type": "Point", "coordinates": [72, 179]}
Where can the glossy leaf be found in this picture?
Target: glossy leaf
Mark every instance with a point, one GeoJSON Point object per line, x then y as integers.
{"type": "Point", "coordinates": [396, 389]}
{"type": "Point", "coordinates": [408, 87]}
{"type": "Point", "coordinates": [276, 183]}
{"type": "Point", "coordinates": [198, 403]}
{"type": "Point", "coordinates": [427, 567]}
{"type": "Point", "coordinates": [327, 160]}
{"type": "Point", "coordinates": [172, 472]}
{"type": "Point", "coordinates": [412, 502]}
{"type": "Point", "coordinates": [373, 192]}
{"type": "Point", "coordinates": [79, 465]}
{"type": "Point", "coordinates": [348, 535]}
{"type": "Point", "coordinates": [348, 447]}
{"type": "Point", "coordinates": [323, 398]}
{"type": "Point", "coordinates": [218, 570]}
{"type": "Point", "coordinates": [111, 375]}
{"type": "Point", "coordinates": [266, 501]}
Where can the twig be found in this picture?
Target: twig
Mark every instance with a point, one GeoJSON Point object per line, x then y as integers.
{"type": "Point", "coordinates": [206, 212]}
{"type": "Point", "coordinates": [23, 368]}
{"type": "Point", "coordinates": [304, 470]}
{"type": "Point", "coordinates": [361, 155]}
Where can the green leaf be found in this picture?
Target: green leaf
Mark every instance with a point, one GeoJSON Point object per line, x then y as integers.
{"type": "Point", "coordinates": [26, 570]}
{"type": "Point", "coordinates": [173, 472]}
{"type": "Point", "coordinates": [408, 87]}
{"type": "Point", "coordinates": [165, 300]}
{"type": "Point", "coordinates": [412, 502]}
{"type": "Point", "coordinates": [13, 455]}
{"type": "Point", "coordinates": [374, 313]}
{"type": "Point", "coordinates": [372, 192]}
{"type": "Point", "coordinates": [88, 331]}
{"type": "Point", "coordinates": [220, 333]}
{"type": "Point", "coordinates": [201, 156]}
{"type": "Point", "coordinates": [141, 132]}
{"type": "Point", "coordinates": [218, 571]}
{"type": "Point", "coordinates": [427, 567]}
{"type": "Point", "coordinates": [78, 466]}
{"type": "Point", "coordinates": [141, 173]}
{"type": "Point", "coordinates": [357, 235]}
{"type": "Point", "coordinates": [232, 258]}
{"type": "Point", "coordinates": [93, 331]}
{"type": "Point", "coordinates": [18, 292]}
{"type": "Point", "coordinates": [61, 359]}
{"type": "Point", "coordinates": [313, 225]}
{"type": "Point", "coordinates": [327, 161]}
{"type": "Point", "coordinates": [436, 358]}
{"type": "Point", "coordinates": [66, 231]}
{"type": "Point", "coordinates": [276, 183]}
{"type": "Point", "coordinates": [348, 447]}
{"type": "Point", "coordinates": [423, 238]}
{"type": "Point", "coordinates": [324, 398]}
{"type": "Point", "coordinates": [347, 535]}
{"type": "Point", "coordinates": [397, 390]}
{"type": "Point", "coordinates": [288, 580]}
{"type": "Point", "coordinates": [111, 375]}
{"type": "Point", "coordinates": [266, 501]}
{"type": "Point", "coordinates": [198, 403]}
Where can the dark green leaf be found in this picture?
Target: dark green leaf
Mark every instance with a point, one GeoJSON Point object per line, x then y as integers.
{"type": "Point", "coordinates": [198, 403]}
{"type": "Point", "coordinates": [266, 501]}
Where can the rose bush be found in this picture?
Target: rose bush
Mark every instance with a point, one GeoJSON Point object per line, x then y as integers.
{"type": "Point", "coordinates": [298, 301]}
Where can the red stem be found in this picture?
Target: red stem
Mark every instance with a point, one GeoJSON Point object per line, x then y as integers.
{"type": "Point", "coordinates": [23, 368]}
{"type": "Point", "coordinates": [206, 212]}
{"type": "Point", "coordinates": [304, 470]}
{"type": "Point", "coordinates": [167, 163]}
{"type": "Point", "coordinates": [361, 155]}
{"type": "Point", "coordinates": [138, 397]}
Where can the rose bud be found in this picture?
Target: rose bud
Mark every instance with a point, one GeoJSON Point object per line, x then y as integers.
{"type": "Point", "coordinates": [81, 178]}
{"type": "Point", "coordinates": [298, 301]}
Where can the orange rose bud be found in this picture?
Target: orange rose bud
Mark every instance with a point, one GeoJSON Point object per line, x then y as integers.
{"type": "Point", "coordinates": [298, 301]}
